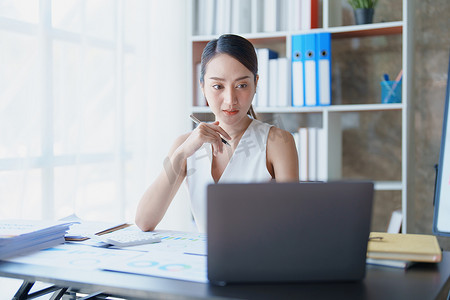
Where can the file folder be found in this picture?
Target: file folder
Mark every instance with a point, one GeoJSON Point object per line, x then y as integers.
{"type": "Point", "coordinates": [322, 160]}
{"type": "Point", "coordinates": [264, 55]}
{"type": "Point", "coordinates": [309, 14]}
{"type": "Point", "coordinates": [284, 82]}
{"type": "Point", "coordinates": [312, 154]}
{"type": "Point", "coordinates": [323, 68]}
{"type": "Point", "coordinates": [303, 159]}
{"type": "Point", "coordinates": [273, 82]}
{"type": "Point", "coordinates": [310, 70]}
{"type": "Point", "coordinates": [297, 71]}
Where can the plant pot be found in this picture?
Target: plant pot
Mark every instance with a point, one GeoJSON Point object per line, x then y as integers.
{"type": "Point", "coordinates": [363, 15]}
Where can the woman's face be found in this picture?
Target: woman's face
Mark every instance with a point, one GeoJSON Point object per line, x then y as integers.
{"type": "Point", "coordinates": [229, 88]}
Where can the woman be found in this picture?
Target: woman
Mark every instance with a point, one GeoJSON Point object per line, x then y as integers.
{"type": "Point", "coordinates": [255, 151]}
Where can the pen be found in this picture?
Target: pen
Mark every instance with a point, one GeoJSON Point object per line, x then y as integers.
{"type": "Point", "coordinates": [385, 83]}
{"type": "Point", "coordinates": [197, 121]}
{"type": "Point", "coordinates": [398, 79]}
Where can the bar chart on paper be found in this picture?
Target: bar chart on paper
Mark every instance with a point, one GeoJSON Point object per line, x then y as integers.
{"type": "Point", "coordinates": [176, 241]}
{"type": "Point", "coordinates": [180, 255]}
{"type": "Point", "coordinates": [76, 256]}
{"type": "Point", "coordinates": [169, 265]}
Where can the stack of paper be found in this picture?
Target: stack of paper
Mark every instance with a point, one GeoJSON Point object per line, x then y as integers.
{"type": "Point", "coordinates": [24, 236]}
{"type": "Point", "coordinates": [399, 250]}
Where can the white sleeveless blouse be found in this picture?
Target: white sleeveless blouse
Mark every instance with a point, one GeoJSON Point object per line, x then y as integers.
{"type": "Point", "coordinates": [247, 164]}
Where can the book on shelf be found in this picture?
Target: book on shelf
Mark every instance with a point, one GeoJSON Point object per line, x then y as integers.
{"type": "Point", "coordinates": [309, 14]}
{"type": "Point", "coordinates": [322, 161]}
{"type": "Point", "coordinates": [240, 20]}
{"type": "Point", "coordinates": [257, 16]}
{"type": "Point", "coordinates": [273, 82]}
{"type": "Point", "coordinates": [406, 247]}
{"type": "Point", "coordinates": [223, 16]}
{"type": "Point", "coordinates": [310, 143]}
{"type": "Point", "coordinates": [312, 154]}
{"type": "Point", "coordinates": [293, 15]}
{"type": "Point", "coordinates": [270, 15]}
{"type": "Point", "coordinates": [263, 93]}
{"type": "Point", "coordinates": [245, 16]}
{"type": "Point", "coordinates": [284, 82]}
{"type": "Point", "coordinates": [199, 99]}
{"type": "Point", "coordinates": [303, 153]}
{"type": "Point", "coordinates": [298, 15]}
{"type": "Point", "coordinates": [205, 17]}
{"type": "Point", "coordinates": [282, 15]}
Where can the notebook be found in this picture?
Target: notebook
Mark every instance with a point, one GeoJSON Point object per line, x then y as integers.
{"type": "Point", "coordinates": [288, 232]}
{"type": "Point", "coordinates": [406, 247]}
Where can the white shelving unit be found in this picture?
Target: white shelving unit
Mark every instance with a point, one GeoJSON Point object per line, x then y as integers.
{"type": "Point", "coordinates": [331, 115]}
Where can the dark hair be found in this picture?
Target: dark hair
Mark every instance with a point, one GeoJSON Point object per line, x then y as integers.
{"type": "Point", "coordinates": [237, 47]}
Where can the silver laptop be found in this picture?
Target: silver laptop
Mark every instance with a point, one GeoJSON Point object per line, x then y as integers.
{"type": "Point", "coordinates": [288, 232]}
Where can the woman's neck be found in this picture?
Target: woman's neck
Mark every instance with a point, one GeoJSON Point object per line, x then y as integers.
{"type": "Point", "coordinates": [236, 130]}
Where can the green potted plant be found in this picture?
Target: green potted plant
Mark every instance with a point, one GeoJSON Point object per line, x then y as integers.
{"type": "Point", "coordinates": [363, 10]}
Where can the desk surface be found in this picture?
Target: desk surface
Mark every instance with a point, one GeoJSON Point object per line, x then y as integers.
{"type": "Point", "coordinates": [422, 281]}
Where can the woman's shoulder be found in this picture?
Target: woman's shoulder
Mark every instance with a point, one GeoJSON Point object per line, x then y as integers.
{"type": "Point", "coordinates": [275, 135]}
{"type": "Point", "coordinates": [282, 155]}
{"type": "Point", "coordinates": [279, 136]}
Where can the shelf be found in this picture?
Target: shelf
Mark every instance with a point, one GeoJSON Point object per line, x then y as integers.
{"type": "Point", "coordinates": [317, 109]}
{"type": "Point", "coordinates": [332, 117]}
{"type": "Point", "coordinates": [364, 107]}
{"type": "Point", "coordinates": [366, 30]}
{"type": "Point", "coordinates": [377, 29]}
{"type": "Point", "coordinates": [269, 36]}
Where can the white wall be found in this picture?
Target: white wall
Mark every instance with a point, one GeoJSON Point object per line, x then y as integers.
{"type": "Point", "coordinates": [168, 103]}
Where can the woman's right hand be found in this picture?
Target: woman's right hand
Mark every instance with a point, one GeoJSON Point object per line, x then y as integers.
{"type": "Point", "coordinates": [157, 197]}
{"type": "Point", "coordinates": [205, 133]}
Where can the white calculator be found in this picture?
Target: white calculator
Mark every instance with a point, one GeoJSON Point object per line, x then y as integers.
{"type": "Point", "coordinates": [125, 238]}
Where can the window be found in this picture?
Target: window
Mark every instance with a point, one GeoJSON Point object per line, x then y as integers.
{"type": "Point", "coordinates": [73, 103]}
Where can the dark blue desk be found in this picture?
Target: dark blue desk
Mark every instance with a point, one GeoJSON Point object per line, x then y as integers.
{"type": "Point", "coordinates": [421, 281]}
